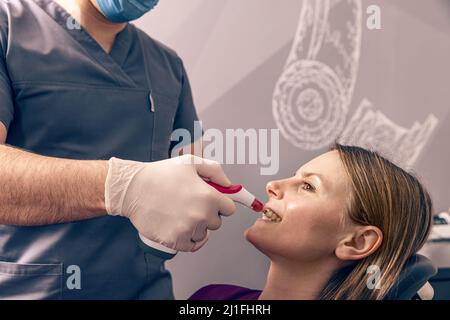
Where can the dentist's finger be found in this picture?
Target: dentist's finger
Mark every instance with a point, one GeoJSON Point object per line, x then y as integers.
{"type": "Point", "coordinates": [226, 206]}
{"type": "Point", "coordinates": [199, 233]}
{"type": "Point", "coordinates": [197, 245]}
{"type": "Point", "coordinates": [215, 223]}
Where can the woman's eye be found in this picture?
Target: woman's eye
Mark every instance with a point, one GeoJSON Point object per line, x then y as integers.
{"type": "Point", "coordinates": [308, 187]}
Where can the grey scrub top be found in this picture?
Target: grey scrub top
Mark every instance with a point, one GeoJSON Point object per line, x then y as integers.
{"type": "Point", "coordinates": [62, 96]}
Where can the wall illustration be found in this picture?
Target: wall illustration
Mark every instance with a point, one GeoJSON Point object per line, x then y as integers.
{"type": "Point", "coordinates": [372, 129]}
{"type": "Point", "coordinates": [312, 96]}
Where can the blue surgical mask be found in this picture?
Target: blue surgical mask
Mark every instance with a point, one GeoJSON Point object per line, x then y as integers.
{"type": "Point", "coordinates": [119, 11]}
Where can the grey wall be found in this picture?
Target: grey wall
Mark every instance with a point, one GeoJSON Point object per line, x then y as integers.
{"type": "Point", "coordinates": [235, 52]}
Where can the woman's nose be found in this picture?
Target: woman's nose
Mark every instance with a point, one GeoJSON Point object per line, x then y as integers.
{"type": "Point", "coordinates": [274, 189]}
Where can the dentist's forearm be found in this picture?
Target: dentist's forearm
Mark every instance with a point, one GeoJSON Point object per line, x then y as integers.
{"type": "Point", "coordinates": [37, 190]}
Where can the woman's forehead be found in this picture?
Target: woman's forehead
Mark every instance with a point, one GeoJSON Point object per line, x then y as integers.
{"type": "Point", "coordinates": [323, 164]}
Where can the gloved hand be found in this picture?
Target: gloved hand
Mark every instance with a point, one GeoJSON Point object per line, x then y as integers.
{"type": "Point", "coordinates": [168, 201]}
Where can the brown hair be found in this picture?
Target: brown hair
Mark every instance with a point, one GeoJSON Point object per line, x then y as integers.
{"type": "Point", "coordinates": [388, 197]}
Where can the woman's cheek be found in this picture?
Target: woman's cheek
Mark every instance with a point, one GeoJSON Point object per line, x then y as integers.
{"type": "Point", "coordinates": [324, 231]}
{"type": "Point", "coordinates": [309, 229]}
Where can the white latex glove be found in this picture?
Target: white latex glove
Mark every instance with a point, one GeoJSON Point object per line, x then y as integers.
{"type": "Point", "coordinates": [168, 201]}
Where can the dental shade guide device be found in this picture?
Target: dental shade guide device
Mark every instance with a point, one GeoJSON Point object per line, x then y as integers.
{"type": "Point", "coordinates": [235, 192]}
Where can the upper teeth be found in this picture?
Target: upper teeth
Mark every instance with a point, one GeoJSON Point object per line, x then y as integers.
{"type": "Point", "coordinates": [271, 215]}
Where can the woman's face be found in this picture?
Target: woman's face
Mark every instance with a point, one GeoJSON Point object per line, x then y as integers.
{"type": "Point", "coordinates": [311, 205]}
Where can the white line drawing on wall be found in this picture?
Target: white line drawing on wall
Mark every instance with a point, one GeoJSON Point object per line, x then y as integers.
{"type": "Point", "coordinates": [370, 128]}
{"type": "Point", "coordinates": [312, 97]}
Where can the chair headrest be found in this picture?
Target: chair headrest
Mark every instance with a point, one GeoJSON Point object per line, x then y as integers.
{"type": "Point", "coordinates": [414, 276]}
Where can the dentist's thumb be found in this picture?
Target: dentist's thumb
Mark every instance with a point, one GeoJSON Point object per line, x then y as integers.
{"type": "Point", "coordinates": [212, 171]}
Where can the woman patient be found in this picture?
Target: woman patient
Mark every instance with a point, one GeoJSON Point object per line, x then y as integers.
{"type": "Point", "coordinates": [341, 213]}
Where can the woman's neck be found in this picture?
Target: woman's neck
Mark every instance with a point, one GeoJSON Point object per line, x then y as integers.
{"type": "Point", "coordinates": [290, 281]}
{"type": "Point", "coordinates": [86, 12]}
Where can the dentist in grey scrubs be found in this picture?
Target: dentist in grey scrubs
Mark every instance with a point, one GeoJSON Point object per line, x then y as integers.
{"type": "Point", "coordinates": [86, 115]}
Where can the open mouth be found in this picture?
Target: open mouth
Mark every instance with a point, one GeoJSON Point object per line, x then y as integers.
{"type": "Point", "coordinates": [270, 215]}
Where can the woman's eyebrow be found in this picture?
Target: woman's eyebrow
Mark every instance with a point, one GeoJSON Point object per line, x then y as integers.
{"type": "Point", "coordinates": [309, 174]}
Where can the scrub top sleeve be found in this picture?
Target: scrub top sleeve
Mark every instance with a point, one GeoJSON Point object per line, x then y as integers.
{"type": "Point", "coordinates": [6, 100]}
{"type": "Point", "coordinates": [186, 116]}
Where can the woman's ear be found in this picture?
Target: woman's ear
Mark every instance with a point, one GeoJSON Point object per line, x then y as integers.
{"type": "Point", "coordinates": [361, 242]}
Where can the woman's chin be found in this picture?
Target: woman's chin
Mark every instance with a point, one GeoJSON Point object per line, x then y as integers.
{"type": "Point", "coordinates": [257, 234]}
{"type": "Point", "coordinates": [253, 230]}
{"type": "Point", "coordinates": [251, 234]}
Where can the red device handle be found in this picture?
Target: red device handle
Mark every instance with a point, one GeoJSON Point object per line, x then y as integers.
{"type": "Point", "coordinates": [234, 188]}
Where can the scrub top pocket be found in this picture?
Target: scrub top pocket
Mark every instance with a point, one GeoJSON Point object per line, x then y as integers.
{"type": "Point", "coordinates": [165, 108]}
{"type": "Point", "coordinates": [30, 281]}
